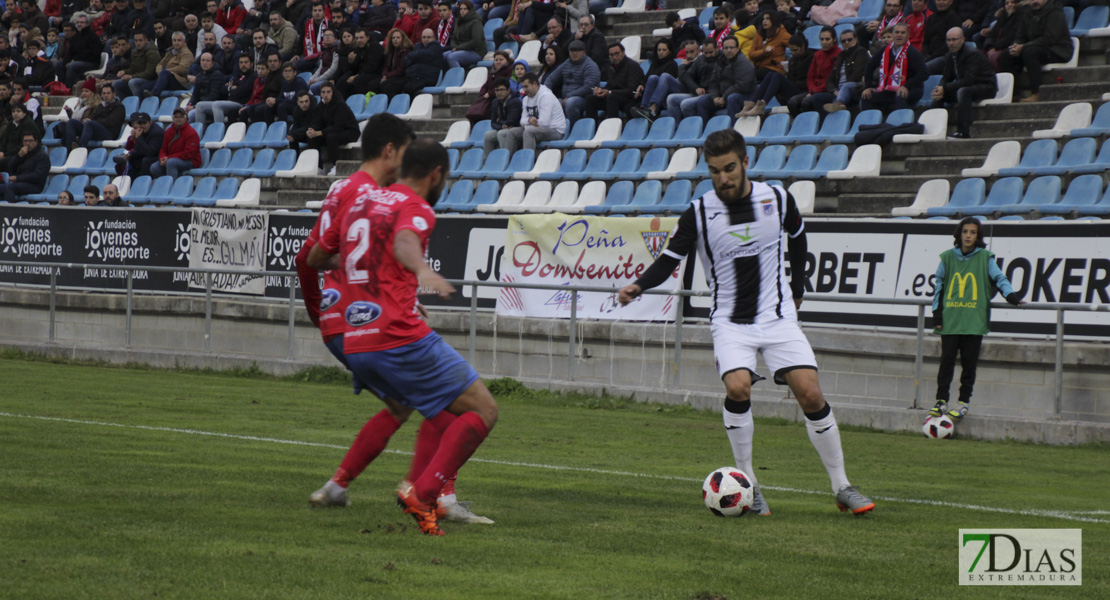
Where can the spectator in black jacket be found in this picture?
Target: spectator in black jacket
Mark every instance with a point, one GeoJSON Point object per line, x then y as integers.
{"type": "Point", "coordinates": [379, 18]}
{"type": "Point", "coordinates": [291, 87]}
{"type": "Point", "coordinates": [139, 18]}
{"type": "Point", "coordinates": [622, 80]}
{"type": "Point", "coordinates": [239, 88]}
{"type": "Point", "coordinates": [209, 85]}
{"type": "Point", "coordinates": [997, 39]}
{"type": "Point", "coordinates": [142, 148]}
{"type": "Point", "coordinates": [103, 122]}
{"type": "Point", "coordinates": [684, 30]}
{"type": "Point", "coordinates": [597, 49]}
{"type": "Point", "coordinates": [226, 59]}
{"type": "Point", "coordinates": [364, 66]}
{"type": "Point", "coordinates": [305, 116]}
{"type": "Point", "coordinates": [338, 128]}
{"type": "Point", "coordinates": [895, 78]}
{"type": "Point", "coordinates": [504, 113]}
{"type": "Point", "coordinates": [972, 13]}
{"type": "Point", "coordinates": [968, 78]}
{"type": "Point", "coordinates": [27, 170]}
{"type": "Point", "coordinates": [934, 48]}
{"type": "Point", "coordinates": [84, 52]}
{"type": "Point", "coordinates": [36, 69]}
{"type": "Point", "coordinates": [423, 64]}
{"type": "Point", "coordinates": [845, 81]}
{"type": "Point", "coordinates": [11, 134]}
{"type": "Point", "coordinates": [695, 79]}
{"type": "Point", "coordinates": [1042, 38]}
{"type": "Point", "coordinates": [265, 96]}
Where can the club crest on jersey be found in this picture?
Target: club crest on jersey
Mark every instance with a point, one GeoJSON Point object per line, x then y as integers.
{"type": "Point", "coordinates": [361, 313]}
{"type": "Point", "coordinates": [655, 240]}
{"type": "Point", "coordinates": [329, 298]}
{"type": "Point", "coordinates": [768, 208]}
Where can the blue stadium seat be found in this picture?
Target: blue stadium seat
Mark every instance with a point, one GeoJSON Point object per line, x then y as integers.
{"type": "Point", "coordinates": [716, 123]}
{"type": "Point", "coordinates": [197, 127]}
{"type": "Point", "coordinates": [95, 160]}
{"type": "Point", "coordinates": [677, 196]}
{"type": "Point", "coordinates": [772, 158]}
{"type": "Point", "coordinates": [377, 103]}
{"type": "Point", "coordinates": [1101, 208]}
{"type": "Point", "coordinates": [686, 133]}
{"type": "Point", "coordinates": [50, 138]}
{"type": "Point", "coordinates": [285, 160]}
{"type": "Point", "coordinates": [774, 126]}
{"type": "Point", "coordinates": [1002, 193]}
{"type": "Point", "coordinates": [803, 125]}
{"type": "Point", "coordinates": [653, 160]}
{"type": "Point", "coordinates": [77, 185]}
{"type": "Point", "coordinates": [646, 198]}
{"type": "Point", "coordinates": [181, 190]}
{"type": "Point", "coordinates": [454, 77]}
{"type": "Point", "coordinates": [149, 106]}
{"type": "Point", "coordinates": [165, 110]}
{"type": "Point", "coordinates": [522, 160]}
{"type": "Point", "coordinates": [130, 105]}
{"type": "Point", "coordinates": [661, 132]}
{"type": "Point", "coordinates": [201, 195]}
{"type": "Point", "coordinates": [495, 162]}
{"type": "Point", "coordinates": [703, 188]}
{"type": "Point", "coordinates": [100, 181]}
{"type": "Point", "coordinates": [634, 130]}
{"type": "Point", "coordinates": [262, 162]}
{"type": "Point", "coordinates": [219, 161]}
{"type": "Point", "coordinates": [399, 105]}
{"type": "Point", "coordinates": [1078, 152]}
{"type": "Point", "coordinates": [213, 133]}
{"type": "Point", "coordinates": [491, 26]}
{"type": "Point", "coordinates": [836, 124]}
{"type": "Point", "coordinates": [930, 84]}
{"type": "Point", "coordinates": [54, 186]}
{"type": "Point", "coordinates": [477, 135]}
{"type": "Point", "coordinates": [902, 116]}
{"type": "Point", "coordinates": [486, 193]}
{"type": "Point", "coordinates": [1092, 17]}
{"type": "Point", "coordinates": [275, 135]}
{"type": "Point", "coordinates": [357, 103]}
{"type": "Point", "coordinates": [1083, 191]}
{"type": "Point", "coordinates": [461, 193]}
{"type": "Point", "coordinates": [453, 159]}
{"type": "Point", "coordinates": [252, 138]}
{"type": "Point", "coordinates": [1100, 125]}
{"type": "Point", "coordinates": [582, 130]}
{"type": "Point", "coordinates": [109, 166]}
{"type": "Point", "coordinates": [1101, 163]}
{"type": "Point", "coordinates": [620, 194]}
{"type": "Point", "coordinates": [833, 158]}
{"type": "Point", "coordinates": [140, 188]}
{"type": "Point", "coordinates": [626, 162]}
{"type": "Point", "coordinates": [471, 161]}
{"type": "Point", "coordinates": [1040, 153]}
{"type": "Point", "coordinates": [968, 193]}
{"type": "Point", "coordinates": [58, 156]}
{"type": "Point", "coordinates": [241, 160]}
{"type": "Point", "coordinates": [802, 158]}
{"type": "Point", "coordinates": [601, 162]}
{"type": "Point", "coordinates": [1041, 191]}
{"type": "Point", "coordinates": [228, 188]}
{"type": "Point", "coordinates": [705, 17]}
{"type": "Point", "coordinates": [813, 37]}
{"type": "Point", "coordinates": [869, 10]}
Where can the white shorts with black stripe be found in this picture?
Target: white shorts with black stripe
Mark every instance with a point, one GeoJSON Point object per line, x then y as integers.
{"type": "Point", "coordinates": [781, 341]}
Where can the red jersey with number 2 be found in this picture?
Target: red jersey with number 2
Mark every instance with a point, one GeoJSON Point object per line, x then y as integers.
{"type": "Point", "coordinates": [382, 311]}
{"type": "Point", "coordinates": [333, 298]}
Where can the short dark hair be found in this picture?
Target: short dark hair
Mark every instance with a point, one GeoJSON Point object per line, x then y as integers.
{"type": "Point", "coordinates": [530, 78]}
{"type": "Point", "coordinates": [92, 189]}
{"type": "Point", "coordinates": [725, 141]}
{"type": "Point", "coordinates": [798, 40]}
{"type": "Point", "coordinates": [720, 10]}
{"type": "Point", "coordinates": [672, 18]}
{"type": "Point", "coordinates": [207, 15]}
{"type": "Point", "coordinates": [107, 86]}
{"type": "Point", "coordinates": [502, 82]}
{"type": "Point", "coordinates": [979, 243]}
{"type": "Point", "coordinates": [422, 157]}
{"type": "Point", "coordinates": [381, 130]}
{"type": "Point", "coordinates": [617, 45]}
{"type": "Point", "coordinates": [830, 30]}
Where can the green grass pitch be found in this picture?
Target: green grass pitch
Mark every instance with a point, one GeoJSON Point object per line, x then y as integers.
{"type": "Point", "coordinates": [136, 483]}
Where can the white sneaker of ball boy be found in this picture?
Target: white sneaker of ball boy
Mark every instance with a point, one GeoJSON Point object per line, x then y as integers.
{"type": "Point", "coordinates": [738, 230]}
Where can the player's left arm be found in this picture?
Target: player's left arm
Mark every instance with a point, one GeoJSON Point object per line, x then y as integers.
{"type": "Point", "coordinates": [309, 279]}
{"type": "Point", "coordinates": [797, 247]}
{"type": "Point", "coordinates": [321, 259]}
{"type": "Point", "coordinates": [1002, 283]}
{"type": "Point", "coordinates": [408, 249]}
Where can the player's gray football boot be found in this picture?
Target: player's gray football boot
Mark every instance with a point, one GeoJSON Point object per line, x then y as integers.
{"type": "Point", "coordinates": [759, 505]}
{"type": "Point", "coordinates": [332, 494]}
{"type": "Point", "coordinates": [460, 513]}
{"type": "Point", "coordinates": [849, 498]}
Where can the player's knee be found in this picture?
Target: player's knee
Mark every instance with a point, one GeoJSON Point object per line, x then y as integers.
{"type": "Point", "coordinates": [811, 399]}
{"type": "Point", "coordinates": [739, 392]}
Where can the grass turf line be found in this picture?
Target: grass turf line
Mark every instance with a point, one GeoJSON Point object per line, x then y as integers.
{"type": "Point", "coordinates": [92, 512]}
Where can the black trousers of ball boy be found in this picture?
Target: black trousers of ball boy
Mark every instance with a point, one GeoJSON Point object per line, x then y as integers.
{"type": "Point", "coordinates": [968, 348]}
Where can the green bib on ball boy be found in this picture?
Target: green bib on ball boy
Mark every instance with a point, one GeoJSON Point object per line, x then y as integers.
{"type": "Point", "coordinates": [967, 293]}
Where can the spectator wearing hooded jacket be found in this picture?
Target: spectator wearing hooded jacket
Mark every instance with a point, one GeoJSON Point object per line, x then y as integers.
{"type": "Point", "coordinates": [468, 40]}
{"type": "Point", "coordinates": [231, 15]}
{"type": "Point", "coordinates": [338, 128]}
{"type": "Point", "coordinates": [1042, 38]}
{"type": "Point", "coordinates": [480, 109]}
{"type": "Point", "coordinates": [180, 148]}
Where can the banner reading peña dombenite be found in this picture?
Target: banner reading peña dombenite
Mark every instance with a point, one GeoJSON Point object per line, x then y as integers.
{"type": "Point", "coordinates": [560, 249]}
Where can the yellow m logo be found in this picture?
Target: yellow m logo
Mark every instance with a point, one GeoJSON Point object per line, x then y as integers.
{"type": "Point", "coordinates": [963, 279]}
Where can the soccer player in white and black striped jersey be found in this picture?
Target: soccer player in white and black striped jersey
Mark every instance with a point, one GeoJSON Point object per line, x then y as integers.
{"type": "Point", "coordinates": [739, 230]}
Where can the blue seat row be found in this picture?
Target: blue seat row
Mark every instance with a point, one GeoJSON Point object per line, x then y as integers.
{"type": "Point", "coordinates": [1077, 157]}
{"type": "Point", "coordinates": [1084, 196]}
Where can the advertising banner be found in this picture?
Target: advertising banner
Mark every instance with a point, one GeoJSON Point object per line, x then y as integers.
{"type": "Point", "coordinates": [559, 249]}
{"type": "Point", "coordinates": [232, 240]}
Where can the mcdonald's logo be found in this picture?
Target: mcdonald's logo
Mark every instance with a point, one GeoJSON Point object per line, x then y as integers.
{"type": "Point", "coordinates": [963, 283]}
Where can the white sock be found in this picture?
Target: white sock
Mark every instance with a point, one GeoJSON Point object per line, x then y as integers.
{"type": "Point", "coordinates": [825, 437]}
{"type": "Point", "coordinates": [740, 429]}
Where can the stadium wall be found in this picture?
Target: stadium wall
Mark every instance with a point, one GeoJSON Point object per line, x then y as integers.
{"type": "Point", "coordinates": [867, 376]}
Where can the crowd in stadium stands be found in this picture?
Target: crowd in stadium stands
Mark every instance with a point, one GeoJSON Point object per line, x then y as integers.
{"type": "Point", "coordinates": [297, 60]}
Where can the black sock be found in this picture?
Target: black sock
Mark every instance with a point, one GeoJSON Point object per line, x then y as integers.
{"type": "Point", "coordinates": [736, 407]}
{"type": "Point", "coordinates": [819, 414]}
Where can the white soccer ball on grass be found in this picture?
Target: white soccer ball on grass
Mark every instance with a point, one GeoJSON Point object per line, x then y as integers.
{"type": "Point", "coordinates": [728, 492]}
{"type": "Point", "coordinates": [938, 428]}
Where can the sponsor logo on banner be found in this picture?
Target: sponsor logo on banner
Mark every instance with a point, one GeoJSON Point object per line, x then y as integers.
{"type": "Point", "coordinates": [485, 249]}
{"type": "Point", "coordinates": [1021, 557]}
{"type": "Point", "coordinates": [558, 249]}
{"type": "Point", "coordinates": [285, 243]}
{"type": "Point", "coordinates": [362, 313]}
{"type": "Point", "coordinates": [28, 238]}
{"type": "Point", "coordinates": [114, 239]}
{"type": "Point", "coordinates": [181, 241]}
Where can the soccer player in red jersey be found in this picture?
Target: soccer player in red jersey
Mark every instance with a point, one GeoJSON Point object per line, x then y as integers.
{"type": "Point", "coordinates": [383, 144]}
{"type": "Point", "coordinates": [381, 243]}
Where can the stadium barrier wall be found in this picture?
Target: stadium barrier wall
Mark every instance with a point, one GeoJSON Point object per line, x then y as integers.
{"type": "Point", "coordinates": [873, 378]}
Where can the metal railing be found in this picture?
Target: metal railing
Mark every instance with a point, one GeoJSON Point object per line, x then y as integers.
{"type": "Point", "coordinates": [1059, 307]}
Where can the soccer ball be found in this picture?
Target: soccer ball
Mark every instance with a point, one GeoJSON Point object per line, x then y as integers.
{"type": "Point", "coordinates": [727, 492]}
{"type": "Point", "coordinates": [938, 427]}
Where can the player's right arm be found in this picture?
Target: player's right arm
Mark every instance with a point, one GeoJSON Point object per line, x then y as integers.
{"type": "Point", "coordinates": [309, 279]}
{"type": "Point", "coordinates": [680, 245]}
{"type": "Point", "coordinates": [408, 249]}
